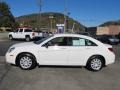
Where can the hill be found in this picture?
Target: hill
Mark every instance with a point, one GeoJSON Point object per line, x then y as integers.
{"type": "Point", "coordinates": [35, 21]}
{"type": "Point", "coordinates": [111, 23]}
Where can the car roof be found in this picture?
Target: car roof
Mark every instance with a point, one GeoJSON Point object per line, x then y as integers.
{"type": "Point", "coordinates": [72, 35]}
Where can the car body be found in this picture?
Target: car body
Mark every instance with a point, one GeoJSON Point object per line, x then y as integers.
{"type": "Point", "coordinates": [118, 36]}
{"type": "Point", "coordinates": [113, 39]}
{"type": "Point", "coordinates": [24, 33]}
{"type": "Point", "coordinates": [62, 49]}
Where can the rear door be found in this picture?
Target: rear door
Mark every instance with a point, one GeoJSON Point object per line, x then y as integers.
{"type": "Point", "coordinates": [80, 50]}
{"type": "Point", "coordinates": [28, 32]}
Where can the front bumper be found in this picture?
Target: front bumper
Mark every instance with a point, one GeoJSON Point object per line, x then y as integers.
{"type": "Point", "coordinates": [10, 58]}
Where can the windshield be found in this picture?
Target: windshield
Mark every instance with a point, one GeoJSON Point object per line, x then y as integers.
{"type": "Point", "coordinates": [16, 30]}
{"type": "Point", "coordinates": [41, 40]}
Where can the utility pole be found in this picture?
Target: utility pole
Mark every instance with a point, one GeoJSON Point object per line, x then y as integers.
{"type": "Point", "coordinates": [65, 15]}
{"type": "Point", "coordinates": [39, 16]}
{"type": "Point", "coordinates": [51, 22]}
{"type": "Point", "coordinates": [67, 21]}
{"type": "Point", "coordinates": [73, 27]}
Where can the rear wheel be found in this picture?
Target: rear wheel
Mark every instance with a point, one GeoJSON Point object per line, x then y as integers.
{"type": "Point", "coordinates": [27, 38]}
{"type": "Point", "coordinates": [26, 62]}
{"type": "Point", "coordinates": [95, 63]}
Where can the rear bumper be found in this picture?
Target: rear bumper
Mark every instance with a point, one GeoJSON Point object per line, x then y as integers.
{"type": "Point", "coordinates": [110, 59]}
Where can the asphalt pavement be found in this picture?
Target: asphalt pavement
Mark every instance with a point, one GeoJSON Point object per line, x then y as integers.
{"type": "Point", "coordinates": [59, 78]}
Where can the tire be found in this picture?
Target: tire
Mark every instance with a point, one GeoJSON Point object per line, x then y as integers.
{"type": "Point", "coordinates": [27, 38]}
{"type": "Point", "coordinates": [95, 63]}
{"type": "Point", "coordinates": [10, 37]}
{"type": "Point", "coordinates": [27, 62]}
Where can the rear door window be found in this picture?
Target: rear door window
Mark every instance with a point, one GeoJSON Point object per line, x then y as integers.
{"type": "Point", "coordinates": [78, 41]}
{"type": "Point", "coordinates": [82, 42]}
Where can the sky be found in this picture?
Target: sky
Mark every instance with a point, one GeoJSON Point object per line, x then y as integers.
{"type": "Point", "coordinates": [88, 12]}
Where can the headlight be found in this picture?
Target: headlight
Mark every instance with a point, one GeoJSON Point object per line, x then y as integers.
{"type": "Point", "coordinates": [11, 49]}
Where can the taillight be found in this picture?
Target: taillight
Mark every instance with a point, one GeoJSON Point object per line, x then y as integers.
{"type": "Point", "coordinates": [111, 49]}
{"type": "Point", "coordinates": [33, 34]}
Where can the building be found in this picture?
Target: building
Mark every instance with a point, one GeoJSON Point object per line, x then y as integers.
{"type": "Point", "coordinates": [102, 30]}
{"type": "Point", "coordinates": [109, 30]}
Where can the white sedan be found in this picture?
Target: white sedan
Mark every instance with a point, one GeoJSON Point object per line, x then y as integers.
{"type": "Point", "coordinates": [63, 50]}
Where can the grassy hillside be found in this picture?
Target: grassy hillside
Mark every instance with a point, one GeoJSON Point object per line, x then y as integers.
{"type": "Point", "coordinates": [35, 21]}
{"type": "Point", "coordinates": [111, 23]}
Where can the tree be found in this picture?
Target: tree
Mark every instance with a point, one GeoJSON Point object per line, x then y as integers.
{"type": "Point", "coordinates": [6, 17]}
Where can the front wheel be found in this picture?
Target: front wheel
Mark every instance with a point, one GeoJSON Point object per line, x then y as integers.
{"type": "Point", "coordinates": [27, 62]}
{"type": "Point", "coordinates": [10, 37]}
{"type": "Point", "coordinates": [95, 63]}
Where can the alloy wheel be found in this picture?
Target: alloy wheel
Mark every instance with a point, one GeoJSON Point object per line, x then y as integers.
{"type": "Point", "coordinates": [96, 64]}
{"type": "Point", "coordinates": [25, 62]}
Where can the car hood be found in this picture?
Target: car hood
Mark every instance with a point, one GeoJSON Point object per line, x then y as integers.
{"type": "Point", "coordinates": [10, 32]}
{"type": "Point", "coordinates": [25, 44]}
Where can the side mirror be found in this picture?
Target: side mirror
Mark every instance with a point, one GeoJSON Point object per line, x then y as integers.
{"type": "Point", "coordinates": [48, 44]}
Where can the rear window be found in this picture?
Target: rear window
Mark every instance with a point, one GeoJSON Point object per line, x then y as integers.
{"type": "Point", "coordinates": [28, 30]}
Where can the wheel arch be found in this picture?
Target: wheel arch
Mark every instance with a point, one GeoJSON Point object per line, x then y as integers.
{"type": "Point", "coordinates": [26, 53]}
{"type": "Point", "coordinates": [10, 35]}
{"type": "Point", "coordinates": [97, 55]}
{"type": "Point", "coordinates": [27, 36]}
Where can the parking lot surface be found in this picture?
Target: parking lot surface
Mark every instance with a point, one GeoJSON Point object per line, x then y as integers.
{"type": "Point", "coordinates": [58, 78]}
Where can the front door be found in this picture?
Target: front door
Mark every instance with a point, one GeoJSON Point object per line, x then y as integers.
{"type": "Point", "coordinates": [54, 52]}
